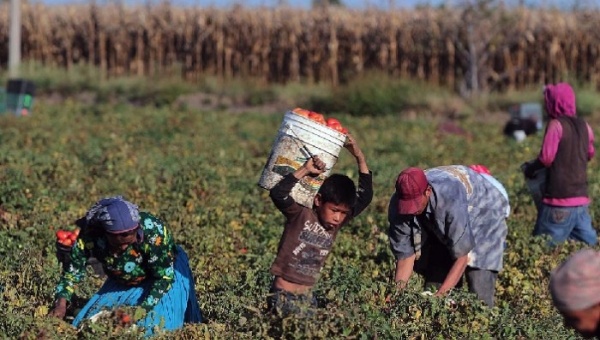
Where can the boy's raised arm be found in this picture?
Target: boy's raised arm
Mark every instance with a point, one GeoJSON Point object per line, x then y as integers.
{"type": "Point", "coordinates": [355, 150]}
{"type": "Point", "coordinates": [280, 193]}
{"type": "Point", "coordinates": [365, 179]}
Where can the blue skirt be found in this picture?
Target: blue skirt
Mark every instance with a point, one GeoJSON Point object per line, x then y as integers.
{"type": "Point", "coordinates": [177, 306]}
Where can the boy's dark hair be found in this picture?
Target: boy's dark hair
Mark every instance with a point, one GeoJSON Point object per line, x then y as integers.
{"type": "Point", "coordinates": [338, 189]}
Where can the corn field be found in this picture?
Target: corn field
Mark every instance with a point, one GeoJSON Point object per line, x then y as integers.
{"type": "Point", "coordinates": [463, 48]}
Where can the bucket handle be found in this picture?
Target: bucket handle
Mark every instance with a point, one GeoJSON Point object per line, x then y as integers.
{"type": "Point", "coordinates": [301, 145]}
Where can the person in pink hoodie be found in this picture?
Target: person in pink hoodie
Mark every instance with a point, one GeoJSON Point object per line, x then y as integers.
{"type": "Point", "coordinates": [567, 148]}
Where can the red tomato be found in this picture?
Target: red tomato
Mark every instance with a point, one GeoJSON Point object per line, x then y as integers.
{"type": "Point", "coordinates": [317, 117]}
{"type": "Point", "coordinates": [336, 125]}
{"type": "Point", "coordinates": [73, 237]}
{"type": "Point", "coordinates": [344, 131]}
{"type": "Point", "coordinates": [332, 122]}
{"type": "Point", "coordinates": [125, 318]}
{"type": "Point", "coordinates": [62, 234]}
{"type": "Point", "coordinates": [67, 242]}
{"type": "Point", "coordinates": [76, 232]}
{"type": "Point", "coordinates": [301, 112]}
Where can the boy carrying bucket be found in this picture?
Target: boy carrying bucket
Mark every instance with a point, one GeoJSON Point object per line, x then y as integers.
{"type": "Point", "coordinates": [309, 234]}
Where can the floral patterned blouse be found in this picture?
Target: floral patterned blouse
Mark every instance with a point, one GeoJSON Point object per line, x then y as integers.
{"type": "Point", "coordinates": [151, 257]}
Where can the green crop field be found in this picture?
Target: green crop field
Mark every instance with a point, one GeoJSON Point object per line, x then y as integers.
{"type": "Point", "coordinates": [198, 171]}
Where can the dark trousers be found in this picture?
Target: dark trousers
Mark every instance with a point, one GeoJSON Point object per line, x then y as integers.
{"type": "Point", "coordinates": [285, 303]}
{"type": "Point", "coordinates": [436, 263]}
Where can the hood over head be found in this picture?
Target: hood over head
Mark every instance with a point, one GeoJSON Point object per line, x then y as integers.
{"type": "Point", "coordinates": [559, 100]}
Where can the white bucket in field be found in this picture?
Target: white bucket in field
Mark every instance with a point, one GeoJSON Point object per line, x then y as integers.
{"type": "Point", "coordinates": [519, 135]}
{"type": "Point", "coordinates": [287, 154]}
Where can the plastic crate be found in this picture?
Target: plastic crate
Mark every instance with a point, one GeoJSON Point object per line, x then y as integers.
{"type": "Point", "coordinates": [19, 96]}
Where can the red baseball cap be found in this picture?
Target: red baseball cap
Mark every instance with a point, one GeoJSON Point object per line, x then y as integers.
{"type": "Point", "coordinates": [410, 187]}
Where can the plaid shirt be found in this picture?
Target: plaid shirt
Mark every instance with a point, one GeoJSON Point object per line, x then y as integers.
{"type": "Point", "coordinates": [466, 212]}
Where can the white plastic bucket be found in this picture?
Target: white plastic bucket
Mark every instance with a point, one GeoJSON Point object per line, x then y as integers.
{"type": "Point", "coordinates": [519, 135]}
{"type": "Point", "coordinates": [287, 154]}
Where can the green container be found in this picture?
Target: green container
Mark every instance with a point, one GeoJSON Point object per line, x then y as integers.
{"type": "Point", "coordinates": [19, 103]}
{"type": "Point", "coordinates": [19, 96]}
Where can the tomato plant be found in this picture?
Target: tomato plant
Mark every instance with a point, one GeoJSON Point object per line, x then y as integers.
{"type": "Point", "coordinates": [198, 172]}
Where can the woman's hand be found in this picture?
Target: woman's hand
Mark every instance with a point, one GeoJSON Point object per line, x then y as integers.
{"type": "Point", "coordinates": [60, 308]}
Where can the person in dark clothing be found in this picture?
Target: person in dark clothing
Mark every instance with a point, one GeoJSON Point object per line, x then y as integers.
{"type": "Point", "coordinates": [567, 148]}
{"type": "Point", "coordinates": [528, 126]}
{"type": "Point", "coordinates": [309, 234]}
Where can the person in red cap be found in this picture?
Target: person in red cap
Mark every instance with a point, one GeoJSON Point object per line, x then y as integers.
{"type": "Point", "coordinates": [445, 222]}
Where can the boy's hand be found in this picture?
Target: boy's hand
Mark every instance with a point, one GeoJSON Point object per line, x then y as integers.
{"type": "Point", "coordinates": [355, 150]}
{"type": "Point", "coordinates": [60, 309]}
{"type": "Point", "coordinates": [313, 167]}
{"type": "Point", "coordinates": [352, 146]}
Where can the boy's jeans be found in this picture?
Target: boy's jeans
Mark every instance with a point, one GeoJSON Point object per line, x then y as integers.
{"type": "Point", "coordinates": [286, 303]}
{"type": "Point", "coordinates": [562, 223]}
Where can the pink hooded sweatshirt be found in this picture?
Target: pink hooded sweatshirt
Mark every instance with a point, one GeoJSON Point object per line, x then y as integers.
{"type": "Point", "coordinates": [560, 102]}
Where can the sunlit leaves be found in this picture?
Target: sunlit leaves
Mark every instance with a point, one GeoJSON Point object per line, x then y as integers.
{"type": "Point", "coordinates": [198, 171]}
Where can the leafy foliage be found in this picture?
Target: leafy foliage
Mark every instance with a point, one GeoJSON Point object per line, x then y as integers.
{"type": "Point", "coordinates": [198, 172]}
{"type": "Point", "coordinates": [376, 93]}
